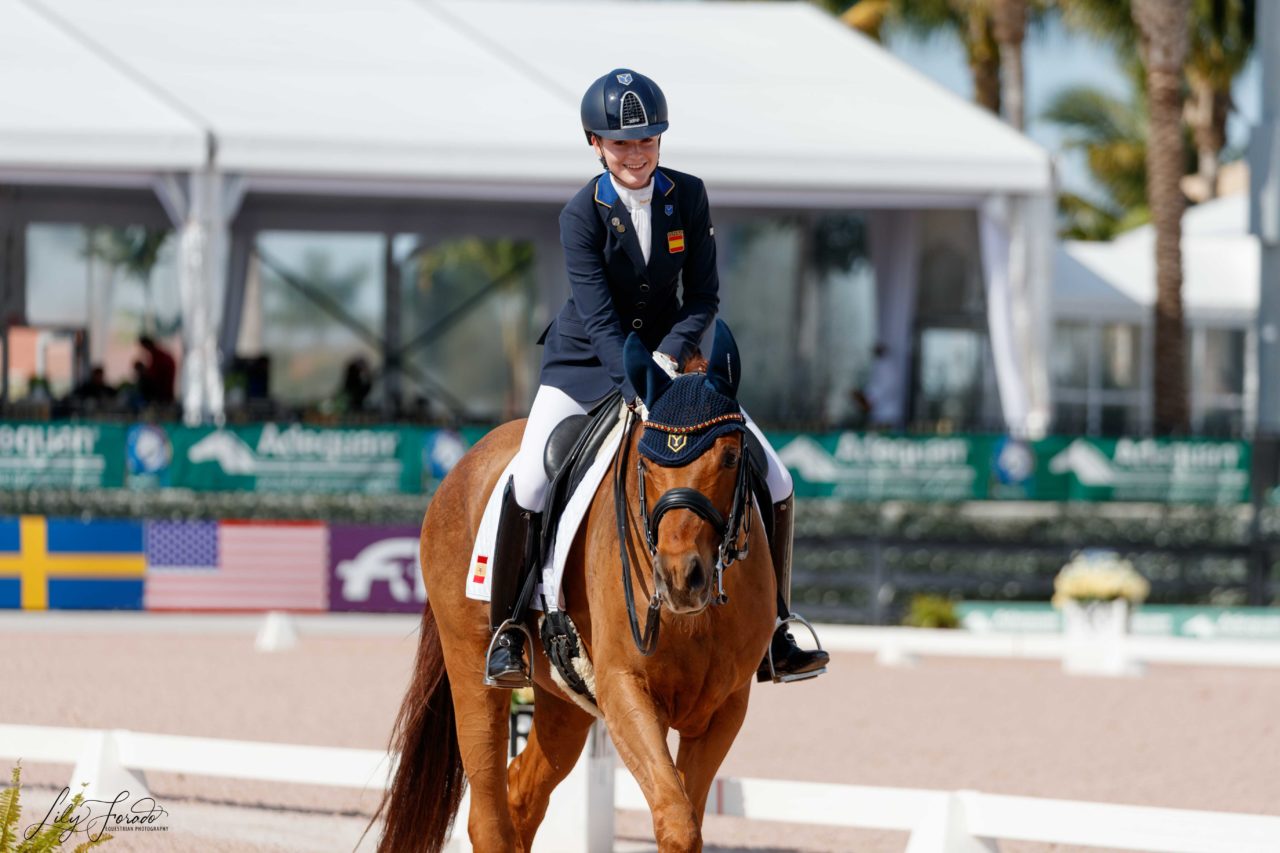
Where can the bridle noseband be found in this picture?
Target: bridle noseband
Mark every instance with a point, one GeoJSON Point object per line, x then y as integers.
{"type": "Point", "coordinates": [734, 531]}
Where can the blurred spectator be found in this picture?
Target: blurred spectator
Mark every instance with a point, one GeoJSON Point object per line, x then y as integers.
{"type": "Point", "coordinates": [357, 382]}
{"type": "Point", "coordinates": [38, 389]}
{"type": "Point", "coordinates": [871, 398]}
{"type": "Point", "coordinates": [134, 392]}
{"type": "Point", "coordinates": [95, 389]}
{"type": "Point", "coordinates": [259, 378]}
{"type": "Point", "coordinates": [157, 383]}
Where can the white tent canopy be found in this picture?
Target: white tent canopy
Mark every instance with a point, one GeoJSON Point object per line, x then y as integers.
{"type": "Point", "coordinates": [786, 98]}
{"type": "Point", "coordinates": [1117, 280]}
{"type": "Point", "coordinates": [66, 107]}
{"type": "Point", "coordinates": [775, 105]}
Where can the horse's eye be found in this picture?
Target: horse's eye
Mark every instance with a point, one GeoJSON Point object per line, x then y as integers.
{"type": "Point", "coordinates": [731, 459]}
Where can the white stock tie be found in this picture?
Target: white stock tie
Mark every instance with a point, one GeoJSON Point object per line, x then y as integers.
{"type": "Point", "coordinates": [637, 203]}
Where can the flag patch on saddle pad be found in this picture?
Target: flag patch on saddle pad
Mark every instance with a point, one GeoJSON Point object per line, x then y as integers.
{"type": "Point", "coordinates": [675, 241]}
{"type": "Point", "coordinates": [481, 569]}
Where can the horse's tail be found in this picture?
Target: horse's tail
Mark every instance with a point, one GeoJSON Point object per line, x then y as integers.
{"type": "Point", "coordinates": [424, 796]}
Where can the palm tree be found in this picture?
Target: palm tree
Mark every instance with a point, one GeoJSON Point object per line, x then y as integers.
{"type": "Point", "coordinates": [970, 20]}
{"type": "Point", "coordinates": [1163, 43]}
{"type": "Point", "coordinates": [1221, 40]}
{"type": "Point", "coordinates": [1222, 36]}
{"type": "Point", "coordinates": [1009, 26]}
{"type": "Point", "coordinates": [135, 250]}
{"type": "Point", "coordinates": [1112, 134]}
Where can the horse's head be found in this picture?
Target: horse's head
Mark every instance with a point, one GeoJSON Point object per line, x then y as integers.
{"type": "Point", "coordinates": [691, 471]}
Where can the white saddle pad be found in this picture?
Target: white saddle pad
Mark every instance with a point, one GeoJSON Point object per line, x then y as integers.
{"type": "Point", "coordinates": [549, 595]}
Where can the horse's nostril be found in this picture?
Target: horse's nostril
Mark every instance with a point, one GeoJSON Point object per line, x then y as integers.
{"type": "Point", "coordinates": [697, 577]}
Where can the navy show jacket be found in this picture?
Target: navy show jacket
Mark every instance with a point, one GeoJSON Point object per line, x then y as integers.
{"type": "Point", "coordinates": [614, 292]}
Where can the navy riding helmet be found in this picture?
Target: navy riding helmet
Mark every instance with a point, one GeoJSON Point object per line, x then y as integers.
{"type": "Point", "coordinates": [623, 104]}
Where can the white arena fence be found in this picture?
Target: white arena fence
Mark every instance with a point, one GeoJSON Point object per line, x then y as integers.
{"type": "Point", "coordinates": [891, 645]}
{"type": "Point", "coordinates": [581, 815]}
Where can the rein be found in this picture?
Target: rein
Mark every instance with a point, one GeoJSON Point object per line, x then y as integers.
{"type": "Point", "coordinates": [649, 641]}
{"type": "Point", "coordinates": [730, 530]}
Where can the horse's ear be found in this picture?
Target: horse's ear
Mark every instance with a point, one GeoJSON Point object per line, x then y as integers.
{"type": "Point", "coordinates": [646, 376]}
{"type": "Point", "coordinates": [724, 368]}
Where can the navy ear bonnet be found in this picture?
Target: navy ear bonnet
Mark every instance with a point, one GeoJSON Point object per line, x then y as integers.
{"type": "Point", "coordinates": [689, 416]}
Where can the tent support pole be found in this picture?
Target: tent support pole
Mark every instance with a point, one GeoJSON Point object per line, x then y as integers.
{"type": "Point", "coordinates": [392, 374]}
{"type": "Point", "coordinates": [1264, 217]}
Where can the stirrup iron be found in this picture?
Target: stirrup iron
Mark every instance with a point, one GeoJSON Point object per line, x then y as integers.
{"type": "Point", "coordinates": [493, 643]}
{"type": "Point", "coordinates": [799, 676]}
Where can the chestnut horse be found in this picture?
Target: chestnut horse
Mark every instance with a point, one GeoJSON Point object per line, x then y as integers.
{"type": "Point", "coordinates": [696, 681]}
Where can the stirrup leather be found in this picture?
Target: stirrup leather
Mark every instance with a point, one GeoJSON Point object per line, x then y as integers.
{"type": "Point", "coordinates": [799, 676]}
{"type": "Point", "coordinates": [493, 644]}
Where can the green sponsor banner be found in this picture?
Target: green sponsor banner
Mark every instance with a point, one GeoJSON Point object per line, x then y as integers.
{"type": "Point", "coordinates": [851, 466]}
{"type": "Point", "coordinates": [869, 467]}
{"type": "Point", "coordinates": [61, 456]}
{"type": "Point", "coordinates": [1149, 620]}
{"type": "Point", "coordinates": [1185, 471]}
{"type": "Point", "coordinates": [296, 458]}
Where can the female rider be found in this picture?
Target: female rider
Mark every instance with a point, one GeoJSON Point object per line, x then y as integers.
{"type": "Point", "coordinates": [629, 236]}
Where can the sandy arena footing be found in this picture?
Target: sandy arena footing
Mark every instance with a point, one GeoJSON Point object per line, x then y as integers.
{"type": "Point", "coordinates": [1180, 737]}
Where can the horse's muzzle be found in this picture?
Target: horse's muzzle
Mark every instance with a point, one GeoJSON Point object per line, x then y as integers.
{"type": "Point", "coordinates": [686, 579]}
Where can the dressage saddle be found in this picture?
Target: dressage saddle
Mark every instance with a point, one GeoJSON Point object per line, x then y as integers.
{"type": "Point", "coordinates": [571, 449]}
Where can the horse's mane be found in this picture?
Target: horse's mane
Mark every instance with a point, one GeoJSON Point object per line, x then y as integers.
{"type": "Point", "coordinates": [696, 363]}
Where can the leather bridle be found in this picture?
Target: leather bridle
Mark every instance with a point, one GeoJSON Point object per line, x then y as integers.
{"type": "Point", "coordinates": [734, 531]}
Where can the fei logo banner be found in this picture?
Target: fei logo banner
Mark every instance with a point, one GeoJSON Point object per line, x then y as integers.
{"type": "Point", "coordinates": [374, 568]}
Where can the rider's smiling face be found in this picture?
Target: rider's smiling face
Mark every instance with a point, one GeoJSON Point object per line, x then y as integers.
{"type": "Point", "coordinates": [631, 161]}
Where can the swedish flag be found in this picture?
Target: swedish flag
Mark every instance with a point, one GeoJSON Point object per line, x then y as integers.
{"type": "Point", "coordinates": [59, 563]}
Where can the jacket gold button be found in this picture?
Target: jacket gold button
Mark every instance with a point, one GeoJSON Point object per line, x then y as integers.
{"type": "Point", "coordinates": [644, 288]}
{"type": "Point", "coordinates": [637, 324]}
{"type": "Point", "coordinates": [642, 305]}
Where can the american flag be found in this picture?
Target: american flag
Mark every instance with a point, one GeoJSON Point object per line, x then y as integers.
{"type": "Point", "coordinates": [231, 565]}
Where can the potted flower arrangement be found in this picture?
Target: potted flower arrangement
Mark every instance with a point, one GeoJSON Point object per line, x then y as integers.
{"type": "Point", "coordinates": [1097, 592]}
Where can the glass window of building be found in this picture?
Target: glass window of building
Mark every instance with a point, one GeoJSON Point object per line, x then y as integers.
{"type": "Point", "coordinates": [951, 283]}
{"type": "Point", "coordinates": [1120, 419]}
{"type": "Point", "coordinates": [949, 387]}
{"type": "Point", "coordinates": [101, 287]}
{"type": "Point", "coordinates": [1072, 348]}
{"type": "Point", "coordinates": [1121, 356]}
{"type": "Point", "coordinates": [1221, 370]}
{"type": "Point", "coordinates": [318, 309]}
{"type": "Point", "coordinates": [1101, 382]}
{"type": "Point", "coordinates": [955, 387]}
{"type": "Point", "coordinates": [1221, 421]}
{"type": "Point", "coordinates": [1070, 417]}
{"type": "Point", "coordinates": [760, 267]}
{"type": "Point", "coordinates": [845, 292]}
{"type": "Point", "coordinates": [799, 293]}
{"type": "Point", "coordinates": [469, 328]}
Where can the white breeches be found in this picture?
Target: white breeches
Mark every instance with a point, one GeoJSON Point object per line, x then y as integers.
{"type": "Point", "coordinates": [551, 406]}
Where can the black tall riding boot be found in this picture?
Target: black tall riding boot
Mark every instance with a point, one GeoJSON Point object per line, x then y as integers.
{"type": "Point", "coordinates": [505, 665]}
{"type": "Point", "coordinates": [789, 661]}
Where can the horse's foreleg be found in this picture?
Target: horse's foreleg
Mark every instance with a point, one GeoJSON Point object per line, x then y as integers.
{"type": "Point", "coordinates": [640, 738]}
{"type": "Point", "coordinates": [559, 731]}
{"type": "Point", "coordinates": [700, 756]}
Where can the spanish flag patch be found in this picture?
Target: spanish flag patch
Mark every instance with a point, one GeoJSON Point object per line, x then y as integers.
{"type": "Point", "coordinates": [481, 569]}
{"type": "Point", "coordinates": [675, 241]}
